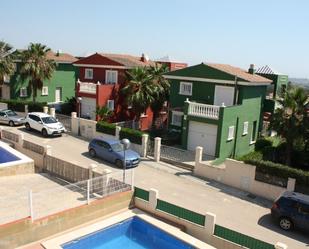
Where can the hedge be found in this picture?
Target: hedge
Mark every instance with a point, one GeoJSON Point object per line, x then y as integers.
{"type": "Point", "coordinates": [135, 136]}
{"type": "Point", "coordinates": [19, 105]}
{"type": "Point", "coordinates": [106, 128]}
{"type": "Point", "coordinates": [276, 169]}
{"type": "Point", "coordinates": [261, 143]}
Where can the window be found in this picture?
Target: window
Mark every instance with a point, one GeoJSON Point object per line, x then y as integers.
{"type": "Point", "coordinates": [89, 73]}
{"type": "Point", "coordinates": [185, 88]}
{"type": "Point", "coordinates": [303, 209]}
{"type": "Point", "coordinates": [253, 134]}
{"type": "Point", "coordinates": [111, 104]}
{"type": "Point", "coordinates": [23, 92]}
{"type": "Point", "coordinates": [111, 77]}
{"type": "Point", "coordinates": [44, 90]}
{"type": "Point", "coordinates": [2, 114]}
{"type": "Point", "coordinates": [230, 135]}
{"type": "Point", "coordinates": [246, 125]}
{"type": "Point", "coordinates": [177, 118]}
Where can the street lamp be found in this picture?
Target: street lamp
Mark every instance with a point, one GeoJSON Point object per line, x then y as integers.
{"type": "Point", "coordinates": [126, 144]}
{"type": "Point", "coordinates": [79, 101]}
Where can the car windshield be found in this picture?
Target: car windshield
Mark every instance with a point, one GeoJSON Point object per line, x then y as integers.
{"type": "Point", "coordinates": [11, 113]}
{"type": "Point", "coordinates": [49, 120]}
{"type": "Point", "coordinates": [117, 147]}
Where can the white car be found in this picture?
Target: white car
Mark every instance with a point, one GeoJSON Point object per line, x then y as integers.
{"type": "Point", "coordinates": [44, 123]}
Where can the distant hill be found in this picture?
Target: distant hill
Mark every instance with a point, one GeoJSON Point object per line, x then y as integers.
{"type": "Point", "coordinates": [300, 82]}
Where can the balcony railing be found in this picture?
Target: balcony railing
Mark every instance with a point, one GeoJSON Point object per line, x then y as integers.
{"type": "Point", "coordinates": [88, 88]}
{"type": "Point", "coordinates": [203, 110]}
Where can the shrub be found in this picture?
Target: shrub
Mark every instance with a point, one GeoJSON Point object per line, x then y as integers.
{"type": "Point", "coordinates": [19, 105]}
{"type": "Point", "coordinates": [135, 136]}
{"type": "Point", "coordinates": [106, 128]}
{"type": "Point", "coordinates": [261, 143]}
{"type": "Point", "coordinates": [254, 155]}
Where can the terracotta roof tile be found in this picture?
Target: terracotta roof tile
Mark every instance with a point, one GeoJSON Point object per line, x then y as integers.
{"type": "Point", "coordinates": [240, 73]}
{"type": "Point", "coordinates": [61, 57]}
{"type": "Point", "coordinates": [128, 60]}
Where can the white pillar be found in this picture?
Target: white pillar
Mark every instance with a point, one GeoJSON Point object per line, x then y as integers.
{"type": "Point", "coordinates": [88, 192]}
{"type": "Point", "coordinates": [106, 174]}
{"type": "Point", "coordinates": [73, 114]}
{"type": "Point", "coordinates": [45, 109]}
{"type": "Point", "coordinates": [280, 245]}
{"type": "Point", "coordinates": [291, 184]}
{"type": "Point", "coordinates": [74, 127]}
{"type": "Point", "coordinates": [91, 168]}
{"type": "Point", "coordinates": [52, 112]}
{"type": "Point", "coordinates": [30, 205]}
{"type": "Point", "coordinates": [153, 198]}
{"type": "Point", "coordinates": [157, 149]}
{"type": "Point", "coordinates": [48, 150]}
{"type": "Point", "coordinates": [26, 109]}
{"type": "Point", "coordinates": [117, 133]}
{"type": "Point", "coordinates": [210, 222]}
{"type": "Point", "coordinates": [198, 154]}
{"type": "Point", "coordinates": [21, 139]}
{"type": "Point", "coordinates": [145, 138]}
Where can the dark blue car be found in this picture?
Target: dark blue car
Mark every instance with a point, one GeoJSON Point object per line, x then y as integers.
{"type": "Point", "coordinates": [112, 151]}
{"type": "Point", "coordinates": [291, 210]}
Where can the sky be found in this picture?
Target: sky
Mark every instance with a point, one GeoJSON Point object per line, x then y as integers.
{"type": "Point", "coordinates": [236, 32]}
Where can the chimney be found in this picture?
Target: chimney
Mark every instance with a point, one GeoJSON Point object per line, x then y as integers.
{"type": "Point", "coordinates": [58, 52]}
{"type": "Point", "coordinates": [144, 58]}
{"type": "Point", "coordinates": [251, 69]}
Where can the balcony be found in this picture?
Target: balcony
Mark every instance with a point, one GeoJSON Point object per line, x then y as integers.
{"type": "Point", "coordinates": [87, 88]}
{"type": "Point", "coordinates": [203, 110]}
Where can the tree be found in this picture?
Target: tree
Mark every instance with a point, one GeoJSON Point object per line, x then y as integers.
{"type": "Point", "coordinates": [103, 112]}
{"type": "Point", "coordinates": [36, 67]}
{"type": "Point", "coordinates": [139, 90]}
{"type": "Point", "coordinates": [289, 121]}
{"type": "Point", "coordinates": [7, 65]}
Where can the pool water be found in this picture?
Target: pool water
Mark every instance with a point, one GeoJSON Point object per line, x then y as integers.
{"type": "Point", "coordinates": [133, 233]}
{"type": "Point", "coordinates": [6, 156]}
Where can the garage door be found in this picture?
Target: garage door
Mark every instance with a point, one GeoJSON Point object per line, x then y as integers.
{"type": "Point", "coordinates": [204, 135]}
{"type": "Point", "coordinates": [88, 108]}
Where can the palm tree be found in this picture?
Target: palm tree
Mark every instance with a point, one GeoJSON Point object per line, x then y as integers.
{"type": "Point", "coordinates": [36, 67]}
{"type": "Point", "coordinates": [139, 91]}
{"type": "Point", "coordinates": [103, 112]}
{"type": "Point", "coordinates": [289, 120]}
{"type": "Point", "coordinates": [7, 65]}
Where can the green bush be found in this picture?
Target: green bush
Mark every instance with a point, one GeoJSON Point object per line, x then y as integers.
{"type": "Point", "coordinates": [255, 155]}
{"type": "Point", "coordinates": [261, 143]}
{"type": "Point", "coordinates": [106, 128]}
{"type": "Point", "coordinates": [19, 105]}
{"type": "Point", "coordinates": [135, 136]}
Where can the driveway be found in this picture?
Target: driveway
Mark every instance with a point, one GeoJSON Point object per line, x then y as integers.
{"type": "Point", "coordinates": [235, 209]}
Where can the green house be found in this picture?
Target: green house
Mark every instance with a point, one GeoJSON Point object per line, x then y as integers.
{"type": "Point", "coordinates": [56, 90]}
{"type": "Point", "coordinates": [217, 107]}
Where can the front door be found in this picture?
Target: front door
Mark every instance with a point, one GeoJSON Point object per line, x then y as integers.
{"type": "Point", "coordinates": [224, 95]}
{"type": "Point", "coordinates": [58, 94]}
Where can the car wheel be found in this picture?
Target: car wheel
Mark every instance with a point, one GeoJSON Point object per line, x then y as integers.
{"type": "Point", "coordinates": [119, 163]}
{"type": "Point", "coordinates": [285, 223]}
{"type": "Point", "coordinates": [11, 123]}
{"type": "Point", "coordinates": [92, 153]}
{"type": "Point", "coordinates": [27, 125]}
{"type": "Point", "coordinates": [44, 133]}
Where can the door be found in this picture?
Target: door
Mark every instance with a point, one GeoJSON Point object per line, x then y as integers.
{"type": "Point", "coordinates": [88, 106]}
{"type": "Point", "coordinates": [58, 94]}
{"type": "Point", "coordinates": [204, 135]}
{"type": "Point", "coordinates": [224, 95]}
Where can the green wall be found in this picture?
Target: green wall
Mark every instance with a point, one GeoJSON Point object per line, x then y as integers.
{"type": "Point", "coordinates": [65, 76]}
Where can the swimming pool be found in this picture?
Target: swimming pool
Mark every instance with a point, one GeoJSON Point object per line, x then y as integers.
{"type": "Point", "coordinates": [6, 156]}
{"type": "Point", "coordinates": [133, 233]}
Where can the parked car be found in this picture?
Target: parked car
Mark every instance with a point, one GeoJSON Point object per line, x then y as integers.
{"type": "Point", "coordinates": [44, 123]}
{"type": "Point", "coordinates": [112, 151]}
{"type": "Point", "coordinates": [10, 117]}
{"type": "Point", "coordinates": [291, 210]}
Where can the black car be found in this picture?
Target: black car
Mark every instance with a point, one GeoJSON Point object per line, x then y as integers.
{"type": "Point", "coordinates": [291, 210]}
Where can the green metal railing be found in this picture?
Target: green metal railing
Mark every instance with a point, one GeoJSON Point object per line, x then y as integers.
{"type": "Point", "coordinates": [141, 193]}
{"type": "Point", "coordinates": [241, 239]}
{"type": "Point", "coordinates": [181, 212]}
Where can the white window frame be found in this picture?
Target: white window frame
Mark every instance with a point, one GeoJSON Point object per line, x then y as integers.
{"type": "Point", "coordinates": [44, 91]}
{"type": "Point", "coordinates": [111, 104]}
{"type": "Point", "coordinates": [246, 127]}
{"type": "Point", "coordinates": [107, 72]}
{"type": "Point", "coordinates": [176, 122]}
{"type": "Point", "coordinates": [231, 133]}
{"type": "Point", "coordinates": [23, 92]}
{"type": "Point", "coordinates": [88, 73]}
{"type": "Point", "coordinates": [182, 86]}
{"type": "Point", "coordinates": [253, 134]}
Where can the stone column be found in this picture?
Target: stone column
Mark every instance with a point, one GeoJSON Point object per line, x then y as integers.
{"type": "Point", "coordinates": [91, 168]}
{"type": "Point", "coordinates": [198, 155]}
{"type": "Point", "coordinates": [117, 133]}
{"type": "Point", "coordinates": [157, 149]}
{"type": "Point", "coordinates": [26, 109]}
{"type": "Point", "coordinates": [153, 199]}
{"type": "Point", "coordinates": [291, 184]}
{"type": "Point", "coordinates": [210, 222]}
{"type": "Point", "coordinates": [145, 138]}
{"type": "Point", "coordinates": [52, 112]}
{"type": "Point", "coordinates": [48, 150]}
{"type": "Point", "coordinates": [20, 139]}
{"type": "Point", "coordinates": [45, 109]}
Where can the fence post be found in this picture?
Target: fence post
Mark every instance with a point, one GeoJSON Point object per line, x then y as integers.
{"type": "Point", "coordinates": [45, 109]}
{"type": "Point", "coordinates": [105, 181]}
{"type": "Point", "coordinates": [74, 128]}
{"type": "Point", "coordinates": [48, 150]}
{"type": "Point", "coordinates": [153, 198]}
{"type": "Point", "coordinates": [157, 149]}
{"type": "Point", "coordinates": [52, 111]}
{"type": "Point", "coordinates": [210, 222]}
{"type": "Point", "coordinates": [20, 139]}
{"type": "Point", "coordinates": [198, 154]}
{"type": "Point", "coordinates": [132, 179]}
{"type": "Point", "coordinates": [280, 245]}
{"type": "Point", "coordinates": [26, 109]}
{"type": "Point", "coordinates": [117, 132]}
{"type": "Point", "coordinates": [91, 168]}
{"type": "Point", "coordinates": [291, 184]}
{"type": "Point", "coordinates": [30, 205]}
{"type": "Point", "coordinates": [145, 138]}
{"type": "Point", "coordinates": [88, 192]}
